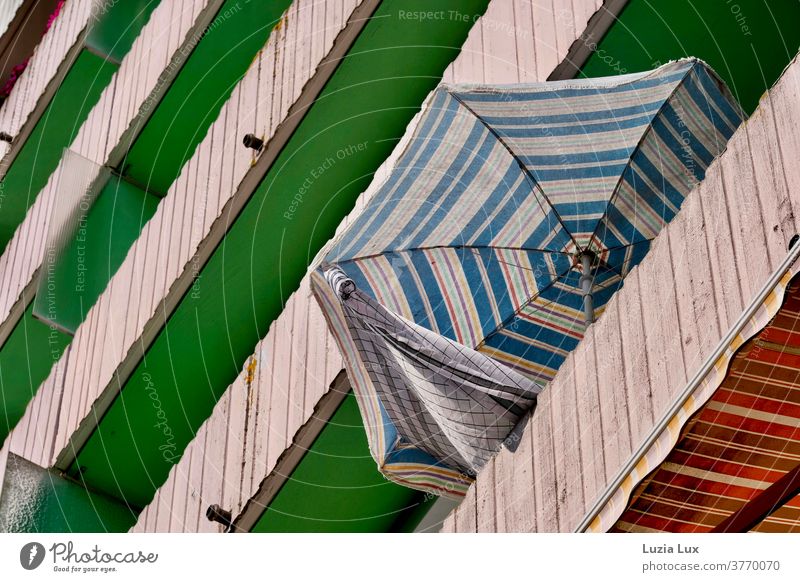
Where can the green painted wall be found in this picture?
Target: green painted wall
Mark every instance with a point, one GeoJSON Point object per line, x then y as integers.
{"type": "Point", "coordinates": [747, 42]}
{"type": "Point", "coordinates": [39, 156]}
{"type": "Point", "coordinates": [116, 24]}
{"type": "Point", "coordinates": [25, 362]}
{"type": "Point", "coordinates": [370, 100]}
{"type": "Point", "coordinates": [98, 246]}
{"type": "Point", "coordinates": [348, 492]}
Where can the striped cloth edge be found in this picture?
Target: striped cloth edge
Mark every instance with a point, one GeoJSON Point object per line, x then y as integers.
{"type": "Point", "coordinates": [669, 437]}
{"type": "Point", "coordinates": [423, 476]}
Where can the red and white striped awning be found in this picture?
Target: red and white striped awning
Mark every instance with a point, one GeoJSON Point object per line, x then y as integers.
{"type": "Point", "coordinates": [728, 454]}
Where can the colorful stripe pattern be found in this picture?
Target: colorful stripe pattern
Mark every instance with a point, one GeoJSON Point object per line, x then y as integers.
{"type": "Point", "coordinates": [475, 234]}
{"type": "Point", "coordinates": [737, 434]}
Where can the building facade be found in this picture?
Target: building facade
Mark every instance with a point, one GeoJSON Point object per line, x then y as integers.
{"type": "Point", "coordinates": [175, 169]}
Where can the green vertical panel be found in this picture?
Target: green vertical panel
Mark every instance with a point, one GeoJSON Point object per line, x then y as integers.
{"type": "Point", "coordinates": [35, 500]}
{"type": "Point", "coordinates": [346, 135]}
{"type": "Point", "coordinates": [25, 362]}
{"type": "Point", "coordinates": [349, 494]}
{"type": "Point", "coordinates": [747, 42]}
{"type": "Point", "coordinates": [117, 23]}
{"type": "Point", "coordinates": [39, 156]}
{"type": "Point", "coordinates": [102, 238]}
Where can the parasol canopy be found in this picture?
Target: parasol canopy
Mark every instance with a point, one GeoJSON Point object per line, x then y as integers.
{"type": "Point", "coordinates": [512, 216]}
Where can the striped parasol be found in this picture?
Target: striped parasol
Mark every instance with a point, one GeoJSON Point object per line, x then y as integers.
{"type": "Point", "coordinates": [512, 216]}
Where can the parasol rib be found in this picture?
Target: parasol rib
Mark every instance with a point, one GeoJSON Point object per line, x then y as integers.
{"type": "Point", "coordinates": [526, 172]}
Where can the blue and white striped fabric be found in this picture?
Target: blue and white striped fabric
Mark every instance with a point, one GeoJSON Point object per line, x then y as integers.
{"type": "Point", "coordinates": [476, 233]}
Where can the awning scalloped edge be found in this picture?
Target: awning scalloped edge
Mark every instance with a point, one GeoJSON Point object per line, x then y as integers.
{"type": "Point", "coordinates": [700, 389]}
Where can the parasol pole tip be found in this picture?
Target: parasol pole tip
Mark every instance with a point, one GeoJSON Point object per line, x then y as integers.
{"type": "Point", "coordinates": [586, 287]}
